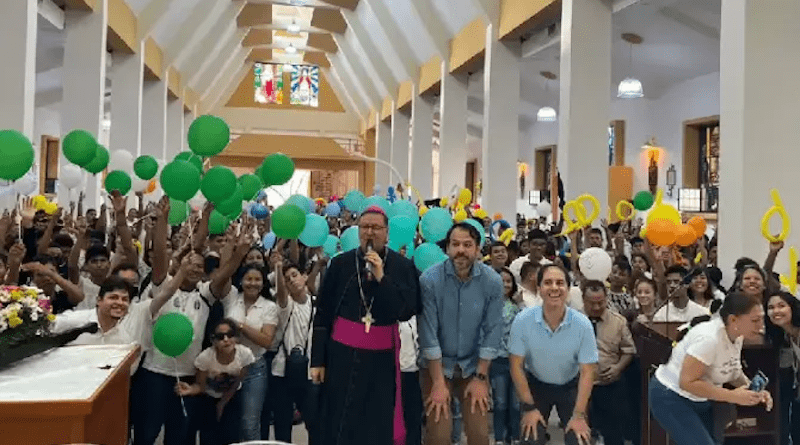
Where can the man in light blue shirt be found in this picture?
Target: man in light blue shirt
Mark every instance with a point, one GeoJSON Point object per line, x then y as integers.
{"type": "Point", "coordinates": [460, 331]}
{"type": "Point", "coordinates": [556, 345]}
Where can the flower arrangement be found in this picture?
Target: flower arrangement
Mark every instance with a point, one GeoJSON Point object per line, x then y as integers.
{"type": "Point", "coordinates": [25, 312]}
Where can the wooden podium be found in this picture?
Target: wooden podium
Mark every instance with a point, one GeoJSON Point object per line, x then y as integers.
{"type": "Point", "coordinates": [654, 343]}
{"type": "Point", "coordinates": [69, 395]}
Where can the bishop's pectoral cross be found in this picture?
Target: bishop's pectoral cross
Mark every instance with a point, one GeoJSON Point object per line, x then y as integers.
{"type": "Point", "coordinates": [368, 320]}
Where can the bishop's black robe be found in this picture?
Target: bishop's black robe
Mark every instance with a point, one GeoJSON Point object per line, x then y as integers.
{"type": "Point", "coordinates": [358, 395]}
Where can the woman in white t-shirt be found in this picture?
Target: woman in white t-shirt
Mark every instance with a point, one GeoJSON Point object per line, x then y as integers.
{"type": "Point", "coordinates": [220, 371]}
{"type": "Point", "coordinates": [682, 391]}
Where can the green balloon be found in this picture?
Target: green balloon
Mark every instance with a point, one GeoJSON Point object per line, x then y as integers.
{"type": "Point", "coordinates": [118, 180]}
{"type": "Point", "coordinates": [172, 334]}
{"type": "Point", "coordinates": [191, 158]}
{"type": "Point", "coordinates": [218, 184]}
{"type": "Point", "coordinates": [79, 147]}
{"type": "Point", "coordinates": [231, 207]}
{"type": "Point", "coordinates": [643, 201]}
{"type": "Point", "coordinates": [218, 223]}
{"type": "Point", "coordinates": [277, 169]}
{"type": "Point", "coordinates": [145, 167]}
{"type": "Point", "coordinates": [288, 221]}
{"type": "Point", "coordinates": [251, 185]}
{"type": "Point", "coordinates": [180, 180]}
{"type": "Point", "coordinates": [100, 161]}
{"type": "Point", "coordinates": [208, 135]}
{"type": "Point", "coordinates": [178, 212]}
{"type": "Point", "coordinates": [17, 154]}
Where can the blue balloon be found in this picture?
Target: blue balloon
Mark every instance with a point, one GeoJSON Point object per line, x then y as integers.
{"type": "Point", "coordinates": [259, 211]}
{"type": "Point", "coordinates": [315, 232]}
{"type": "Point", "coordinates": [376, 190]}
{"type": "Point", "coordinates": [354, 201]}
{"type": "Point", "coordinates": [435, 224]}
{"type": "Point", "coordinates": [391, 195]}
{"type": "Point", "coordinates": [350, 239]}
{"type": "Point", "coordinates": [402, 230]}
{"type": "Point", "coordinates": [300, 201]}
{"type": "Point", "coordinates": [331, 246]}
{"type": "Point", "coordinates": [376, 200]}
{"type": "Point", "coordinates": [262, 194]}
{"type": "Point", "coordinates": [312, 205]}
{"type": "Point", "coordinates": [404, 208]}
{"type": "Point", "coordinates": [428, 255]}
{"type": "Point", "coordinates": [479, 227]}
{"type": "Point", "coordinates": [333, 210]}
{"type": "Point", "coordinates": [269, 240]}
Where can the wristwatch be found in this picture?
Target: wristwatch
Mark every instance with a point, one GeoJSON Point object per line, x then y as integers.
{"type": "Point", "coordinates": [481, 376]}
{"type": "Point", "coordinates": [527, 407]}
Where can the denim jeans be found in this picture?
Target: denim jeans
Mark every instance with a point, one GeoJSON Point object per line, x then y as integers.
{"type": "Point", "coordinates": [156, 404]}
{"type": "Point", "coordinates": [268, 407]}
{"type": "Point", "coordinates": [504, 400]}
{"type": "Point", "coordinates": [686, 422]}
{"type": "Point", "coordinates": [254, 389]}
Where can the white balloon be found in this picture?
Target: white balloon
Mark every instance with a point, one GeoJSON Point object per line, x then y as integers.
{"type": "Point", "coordinates": [121, 160]}
{"type": "Point", "coordinates": [25, 185]}
{"type": "Point", "coordinates": [71, 176]}
{"type": "Point", "coordinates": [595, 264]}
{"type": "Point", "coordinates": [544, 208]}
{"type": "Point", "coordinates": [198, 200]}
{"type": "Point", "coordinates": [138, 185]}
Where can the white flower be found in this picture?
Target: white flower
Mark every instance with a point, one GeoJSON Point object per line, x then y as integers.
{"type": "Point", "coordinates": [3, 324]}
{"type": "Point", "coordinates": [34, 316]}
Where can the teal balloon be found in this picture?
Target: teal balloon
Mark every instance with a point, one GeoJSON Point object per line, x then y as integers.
{"type": "Point", "coordinates": [232, 206]}
{"type": "Point", "coordinates": [435, 224]}
{"type": "Point", "coordinates": [376, 200]}
{"type": "Point", "coordinates": [145, 167]}
{"type": "Point", "coordinates": [300, 201]}
{"type": "Point", "coordinates": [172, 334]}
{"type": "Point", "coordinates": [191, 158]}
{"type": "Point", "coordinates": [218, 184]}
{"type": "Point", "coordinates": [180, 180]}
{"type": "Point", "coordinates": [100, 161]}
{"type": "Point", "coordinates": [16, 152]}
{"type": "Point", "coordinates": [277, 169]}
{"type": "Point", "coordinates": [354, 201]}
{"type": "Point", "coordinates": [350, 239]}
{"type": "Point", "coordinates": [178, 212]}
{"type": "Point", "coordinates": [218, 223]}
{"type": "Point", "coordinates": [428, 255]}
{"type": "Point", "coordinates": [331, 246]}
{"type": "Point", "coordinates": [208, 136]}
{"type": "Point", "coordinates": [315, 233]}
{"type": "Point", "coordinates": [118, 180]}
{"type": "Point", "coordinates": [404, 208]}
{"type": "Point", "coordinates": [288, 221]}
{"type": "Point", "coordinates": [402, 230]}
{"type": "Point", "coordinates": [251, 185]}
{"type": "Point", "coordinates": [479, 227]}
{"type": "Point", "coordinates": [79, 147]}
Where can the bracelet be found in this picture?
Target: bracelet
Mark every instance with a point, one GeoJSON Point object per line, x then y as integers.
{"type": "Point", "coordinates": [579, 414]}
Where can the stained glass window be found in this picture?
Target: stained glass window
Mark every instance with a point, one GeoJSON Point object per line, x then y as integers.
{"type": "Point", "coordinates": [268, 83]}
{"type": "Point", "coordinates": [305, 85]}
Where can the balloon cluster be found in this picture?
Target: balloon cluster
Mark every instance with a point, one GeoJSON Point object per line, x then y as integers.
{"type": "Point", "coordinates": [664, 225]}
{"type": "Point", "coordinates": [582, 218]}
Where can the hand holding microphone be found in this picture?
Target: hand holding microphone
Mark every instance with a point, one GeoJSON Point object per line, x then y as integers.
{"type": "Point", "coordinates": [374, 266]}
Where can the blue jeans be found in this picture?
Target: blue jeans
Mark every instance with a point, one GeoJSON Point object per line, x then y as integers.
{"type": "Point", "coordinates": [686, 422]}
{"type": "Point", "coordinates": [506, 413]}
{"type": "Point", "coordinates": [254, 389]}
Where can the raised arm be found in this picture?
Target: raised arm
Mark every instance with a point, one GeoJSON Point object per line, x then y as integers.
{"type": "Point", "coordinates": [74, 293]}
{"type": "Point", "coordinates": [102, 219]}
{"type": "Point", "coordinates": [221, 278]}
{"type": "Point", "coordinates": [198, 243]}
{"type": "Point", "coordinates": [120, 204]}
{"type": "Point", "coordinates": [47, 236]}
{"type": "Point", "coordinates": [15, 257]}
{"type": "Point", "coordinates": [73, 268]}
{"type": "Point", "coordinates": [160, 258]}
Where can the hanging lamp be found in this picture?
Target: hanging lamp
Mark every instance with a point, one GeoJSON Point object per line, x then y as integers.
{"type": "Point", "coordinates": [547, 114]}
{"type": "Point", "coordinates": [630, 87]}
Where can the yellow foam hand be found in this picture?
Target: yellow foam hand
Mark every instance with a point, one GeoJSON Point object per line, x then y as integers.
{"type": "Point", "coordinates": [786, 222]}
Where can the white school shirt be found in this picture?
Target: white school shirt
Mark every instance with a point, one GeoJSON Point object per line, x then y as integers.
{"type": "Point", "coordinates": [530, 299]}
{"type": "Point", "coordinates": [409, 345]}
{"type": "Point", "coordinates": [297, 333]}
{"type": "Point", "coordinates": [192, 305]}
{"type": "Point", "coordinates": [516, 266]}
{"type": "Point", "coordinates": [709, 343]}
{"type": "Point", "coordinates": [90, 293]}
{"type": "Point", "coordinates": [220, 376]}
{"type": "Point", "coordinates": [684, 315]}
{"type": "Point", "coordinates": [132, 328]}
{"type": "Point", "coordinates": [263, 312]}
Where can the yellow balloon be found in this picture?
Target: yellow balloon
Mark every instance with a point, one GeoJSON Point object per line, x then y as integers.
{"type": "Point", "coordinates": [480, 213]}
{"type": "Point", "coordinates": [423, 210]}
{"type": "Point", "coordinates": [51, 208]}
{"type": "Point", "coordinates": [582, 218]}
{"type": "Point", "coordinates": [665, 211]}
{"type": "Point", "coordinates": [580, 215]}
{"type": "Point", "coordinates": [791, 281]}
{"type": "Point", "coordinates": [625, 205]}
{"type": "Point", "coordinates": [443, 202]}
{"type": "Point", "coordinates": [507, 236]}
{"type": "Point", "coordinates": [786, 222]}
{"type": "Point", "coordinates": [460, 216]}
{"type": "Point", "coordinates": [464, 197]}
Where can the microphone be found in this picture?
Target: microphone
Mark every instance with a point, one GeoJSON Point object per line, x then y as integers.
{"type": "Point", "coordinates": [368, 267]}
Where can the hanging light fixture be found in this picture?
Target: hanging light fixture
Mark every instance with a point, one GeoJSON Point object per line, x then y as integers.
{"type": "Point", "coordinates": [547, 114]}
{"type": "Point", "coordinates": [291, 49]}
{"type": "Point", "coordinates": [293, 28]}
{"type": "Point", "coordinates": [630, 87]}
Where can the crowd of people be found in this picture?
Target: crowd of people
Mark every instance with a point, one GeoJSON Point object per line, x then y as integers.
{"type": "Point", "coordinates": [365, 349]}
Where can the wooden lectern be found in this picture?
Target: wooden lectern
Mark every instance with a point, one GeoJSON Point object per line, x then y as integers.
{"type": "Point", "coordinates": [74, 394]}
{"type": "Point", "coordinates": [654, 344]}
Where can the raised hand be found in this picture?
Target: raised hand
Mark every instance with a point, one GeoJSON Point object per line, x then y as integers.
{"type": "Point", "coordinates": [118, 202]}
{"type": "Point", "coordinates": [27, 209]}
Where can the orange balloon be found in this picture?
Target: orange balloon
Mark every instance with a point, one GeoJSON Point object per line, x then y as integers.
{"type": "Point", "coordinates": [686, 235]}
{"type": "Point", "coordinates": [498, 216]}
{"type": "Point", "coordinates": [151, 187]}
{"type": "Point", "coordinates": [661, 232]}
{"type": "Point", "coordinates": [698, 224]}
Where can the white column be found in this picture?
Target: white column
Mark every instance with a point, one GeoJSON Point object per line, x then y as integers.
{"type": "Point", "coordinates": [383, 151]}
{"type": "Point", "coordinates": [501, 92]}
{"type": "Point", "coordinates": [18, 75]}
{"type": "Point", "coordinates": [585, 98]}
{"type": "Point", "coordinates": [84, 82]}
{"type": "Point", "coordinates": [400, 150]}
{"type": "Point", "coordinates": [759, 61]}
{"type": "Point", "coordinates": [452, 130]}
{"type": "Point", "coordinates": [188, 118]}
{"type": "Point", "coordinates": [421, 167]}
{"type": "Point", "coordinates": [175, 128]}
{"type": "Point", "coordinates": [127, 77]}
{"type": "Point", "coordinates": [154, 119]}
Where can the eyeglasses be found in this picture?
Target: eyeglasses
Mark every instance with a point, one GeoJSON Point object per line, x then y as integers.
{"type": "Point", "coordinates": [371, 228]}
{"type": "Point", "coordinates": [222, 335]}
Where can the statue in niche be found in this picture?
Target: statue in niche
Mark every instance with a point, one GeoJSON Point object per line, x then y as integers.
{"type": "Point", "coordinates": [652, 173]}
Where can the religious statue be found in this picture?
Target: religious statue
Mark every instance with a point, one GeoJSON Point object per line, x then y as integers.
{"type": "Point", "coordinates": [652, 173]}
